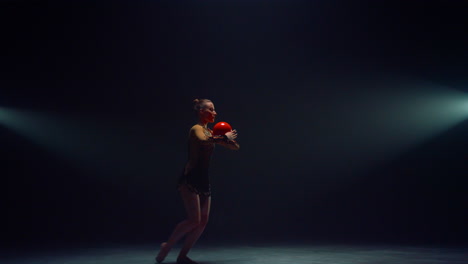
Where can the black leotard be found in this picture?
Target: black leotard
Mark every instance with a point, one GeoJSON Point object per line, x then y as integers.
{"type": "Point", "coordinates": [195, 175]}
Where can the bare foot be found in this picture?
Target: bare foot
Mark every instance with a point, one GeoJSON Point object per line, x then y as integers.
{"type": "Point", "coordinates": [162, 252]}
{"type": "Point", "coordinates": [185, 260]}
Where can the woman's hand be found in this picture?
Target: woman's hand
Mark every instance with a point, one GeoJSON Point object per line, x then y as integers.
{"type": "Point", "coordinates": [232, 135]}
{"type": "Point", "coordinates": [227, 140]}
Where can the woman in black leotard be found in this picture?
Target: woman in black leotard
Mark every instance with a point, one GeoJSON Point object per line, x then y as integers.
{"type": "Point", "coordinates": [194, 183]}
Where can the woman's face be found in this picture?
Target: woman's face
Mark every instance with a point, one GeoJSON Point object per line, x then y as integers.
{"type": "Point", "coordinates": [208, 113]}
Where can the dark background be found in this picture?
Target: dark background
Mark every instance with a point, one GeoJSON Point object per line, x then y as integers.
{"type": "Point", "coordinates": [103, 92]}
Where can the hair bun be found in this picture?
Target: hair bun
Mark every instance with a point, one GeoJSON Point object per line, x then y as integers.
{"type": "Point", "coordinates": [199, 103]}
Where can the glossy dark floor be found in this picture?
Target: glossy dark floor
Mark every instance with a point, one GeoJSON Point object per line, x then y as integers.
{"type": "Point", "coordinates": [251, 254]}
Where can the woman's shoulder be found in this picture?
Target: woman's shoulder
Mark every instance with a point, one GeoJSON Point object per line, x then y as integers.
{"type": "Point", "coordinates": [195, 127]}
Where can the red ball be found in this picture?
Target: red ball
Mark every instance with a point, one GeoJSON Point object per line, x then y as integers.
{"type": "Point", "coordinates": [221, 128]}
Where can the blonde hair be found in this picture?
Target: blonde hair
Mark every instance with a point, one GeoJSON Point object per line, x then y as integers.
{"type": "Point", "coordinates": [198, 104]}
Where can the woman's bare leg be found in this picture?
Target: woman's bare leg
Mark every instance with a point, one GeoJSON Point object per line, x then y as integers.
{"type": "Point", "coordinates": [193, 236]}
{"type": "Point", "coordinates": [192, 206]}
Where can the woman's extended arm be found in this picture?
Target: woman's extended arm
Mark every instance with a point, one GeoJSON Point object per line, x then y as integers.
{"type": "Point", "coordinates": [227, 140]}
{"type": "Point", "coordinates": [230, 144]}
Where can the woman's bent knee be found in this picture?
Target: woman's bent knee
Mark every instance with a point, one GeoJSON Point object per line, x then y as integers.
{"type": "Point", "coordinates": [204, 221]}
{"type": "Point", "coordinates": [193, 223]}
